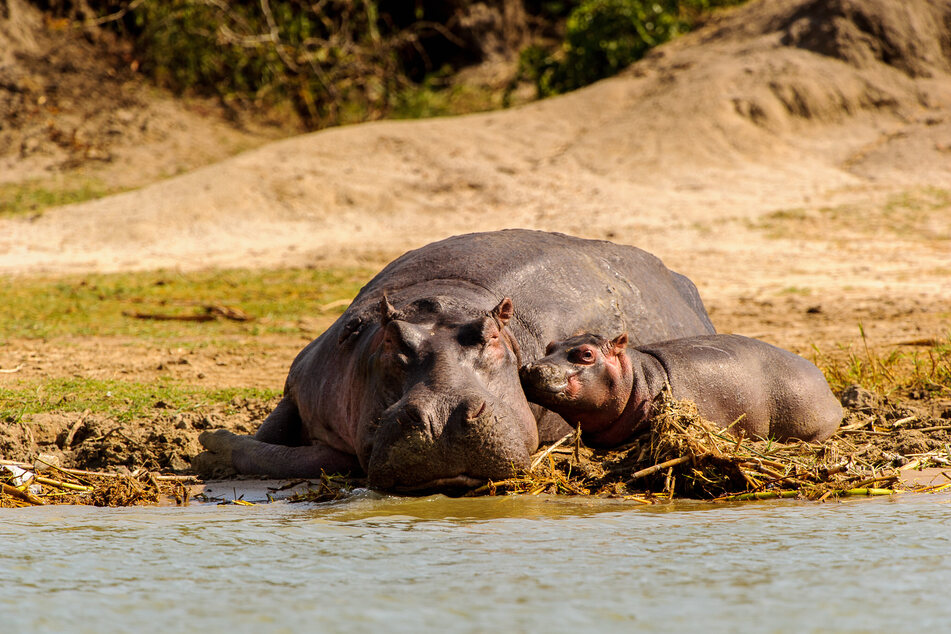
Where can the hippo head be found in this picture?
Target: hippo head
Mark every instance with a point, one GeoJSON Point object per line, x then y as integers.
{"type": "Point", "coordinates": [449, 412]}
{"type": "Point", "coordinates": [585, 378]}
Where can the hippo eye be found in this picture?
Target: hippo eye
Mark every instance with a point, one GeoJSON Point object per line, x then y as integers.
{"type": "Point", "coordinates": [583, 355]}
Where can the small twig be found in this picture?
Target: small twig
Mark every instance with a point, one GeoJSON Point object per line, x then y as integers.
{"type": "Point", "coordinates": [935, 428]}
{"type": "Point", "coordinates": [80, 472]}
{"type": "Point", "coordinates": [75, 428]}
{"type": "Point", "coordinates": [865, 483]}
{"type": "Point", "coordinates": [578, 442]}
{"type": "Point", "coordinates": [26, 496]}
{"type": "Point", "coordinates": [853, 426]}
{"type": "Point", "coordinates": [12, 370]}
{"type": "Point", "coordinates": [542, 455]}
{"type": "Point", "coordinates": [761, 495]}
{"type": "Point", "coordinates": [14, 463]}
{"type": "Point", "coordinates": [163, 317]}
{"type": "Point", "coordinates": [637, 475]}
{"type": "Point", "coordinates": [114, 17]}
{"type": "Point", "coordinates": [62, 485]}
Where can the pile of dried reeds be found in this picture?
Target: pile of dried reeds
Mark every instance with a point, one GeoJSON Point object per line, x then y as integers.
{"type": "Point", "coordinates": [21, 484]}
{"type": "Point", "coordinates": [685, 455]}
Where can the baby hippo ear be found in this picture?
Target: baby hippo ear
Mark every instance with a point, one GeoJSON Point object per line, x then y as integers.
{"type": "Point", "coordinates": [503, 312]}
{"type": "Point", "coordinates": [618, 344]}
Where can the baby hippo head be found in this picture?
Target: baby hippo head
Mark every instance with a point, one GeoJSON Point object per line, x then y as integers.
{"type": "Point", "coordinates": [585, 378]}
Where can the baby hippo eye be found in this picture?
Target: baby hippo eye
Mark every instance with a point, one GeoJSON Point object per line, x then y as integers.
{"type": "Point", "coordinates": [583, 355]}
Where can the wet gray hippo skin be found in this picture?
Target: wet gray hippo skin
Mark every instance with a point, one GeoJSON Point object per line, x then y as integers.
{"type": "Point", "coordinates": [417, 384]}
{"type": "Point", "coordinates": [610, 389]}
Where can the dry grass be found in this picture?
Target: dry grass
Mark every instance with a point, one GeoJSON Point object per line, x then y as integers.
{"type": "Point", "coordinates": [22, 485]}
{"type": "Point", "coordinates": [687, 456]}
{"type": "Point", "coordinates": [919, 368]}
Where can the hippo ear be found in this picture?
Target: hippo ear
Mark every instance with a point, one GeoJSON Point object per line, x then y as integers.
{"type": "Point", "coordinates": [503, 312]}
{"type": "Point", "coordinates": [400, 336]}
{"type": "Point", "coordinates": [618, 344]}
{"type": "Point", "coordinates": [387, 312]}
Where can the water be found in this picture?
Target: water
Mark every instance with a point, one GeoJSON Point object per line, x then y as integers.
{"type": "Point", "coordinates": [480, 565]}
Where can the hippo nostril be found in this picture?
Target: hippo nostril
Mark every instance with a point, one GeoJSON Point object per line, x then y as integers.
{"type": "Point", "coordinates": [478, 413]}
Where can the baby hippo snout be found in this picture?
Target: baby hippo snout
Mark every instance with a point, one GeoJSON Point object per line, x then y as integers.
{"type": "Point", "coordinates": [543, 377]}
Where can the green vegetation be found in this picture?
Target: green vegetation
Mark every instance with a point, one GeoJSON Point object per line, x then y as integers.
{"type": "Point", "coordinates": [921, 212]}
{"type": "Point", "coordinates": [343, 61]}
{"type": "Point", "coordinates": [122, 401]}
{"type": "Point", "coordinates": [98, 305]}
{"type": "Point", "coordinates": [796, 290]}
{"type": "Point", "coordinates": [34, 196]}
{"type": "Point", "coordinates": [917, 373]}
{"type": "Point", "coordinates": [333, 62]}
{"type": "Point", "coordinates": [604, 36]}
{"type": "Point", "coordinates": [437, 96]}
{"type": "Point", "coordinates": [292, 302]}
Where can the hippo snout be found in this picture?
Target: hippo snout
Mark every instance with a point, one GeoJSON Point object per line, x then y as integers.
{"type": "Point", "coordinates": [428, 443]}
{"type": "Point", "coordinates": [543, 377]}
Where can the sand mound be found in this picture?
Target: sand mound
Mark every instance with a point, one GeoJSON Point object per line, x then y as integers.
{"type": "Point", "coordinates": [69, 104]}
{"type": "Point", "coordinates": [912, 37]}
{"type": "Point", "coordinates": [781, 104]}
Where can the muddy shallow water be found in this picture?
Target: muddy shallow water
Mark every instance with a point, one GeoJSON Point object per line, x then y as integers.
{"type": "Point", "coordinates": [509, 563]}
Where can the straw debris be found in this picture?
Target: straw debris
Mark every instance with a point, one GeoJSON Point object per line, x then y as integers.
{"type": "Point", "coordinates": [328, 489]}
{"type": "Point", "coordinates": [686, 456]}
{"type": "Point", "coordinates": [22, 486]}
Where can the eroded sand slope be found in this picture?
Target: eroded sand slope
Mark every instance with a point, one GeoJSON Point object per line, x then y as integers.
{"type": "Point", "coordinates": [788, 144]}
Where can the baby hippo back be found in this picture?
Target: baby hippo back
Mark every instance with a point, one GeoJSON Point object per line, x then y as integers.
{"type": "Point", "coordinates": [779, 394]}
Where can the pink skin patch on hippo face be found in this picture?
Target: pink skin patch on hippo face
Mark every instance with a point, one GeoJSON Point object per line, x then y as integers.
{"type": "Point", "coordinates": [584, 355]}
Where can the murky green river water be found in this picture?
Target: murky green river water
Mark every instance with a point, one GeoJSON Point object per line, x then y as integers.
{"type": "Point", "coordinates": [480, 565]}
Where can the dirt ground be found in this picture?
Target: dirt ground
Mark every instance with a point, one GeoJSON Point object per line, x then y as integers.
{"type": "Point", "coordinates": [792, 157]}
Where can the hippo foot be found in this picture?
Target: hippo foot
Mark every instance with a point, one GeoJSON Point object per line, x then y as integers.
{"type": "Point", "coordinates": [216, 461]}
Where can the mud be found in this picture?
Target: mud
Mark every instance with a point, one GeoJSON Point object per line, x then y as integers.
{"type": "Point", "coordinates": [165, 442]}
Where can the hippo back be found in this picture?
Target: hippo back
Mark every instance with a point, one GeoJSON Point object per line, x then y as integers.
{"type": "Point", "coordinates": [559, 284]}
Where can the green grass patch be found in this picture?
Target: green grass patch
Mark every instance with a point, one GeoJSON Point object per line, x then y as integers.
{"type": "Point", "coordinates": [922, 213]}
{"type": "Point", "coordinates": [33, 196]}
{"type": "Point", "coordinates": [436, 97]}
{"type": "Point", "coordinates": [796, 290]}
{"type": "Point", "coordinates": [921, 372]}
{"type": "Point", "coordinates": [121, 401]}
{"type": "Point", "coordinates": [100, 305]}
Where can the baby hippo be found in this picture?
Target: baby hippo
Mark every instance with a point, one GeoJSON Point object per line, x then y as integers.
{"type": "Point", "coordinates": [610, 389]}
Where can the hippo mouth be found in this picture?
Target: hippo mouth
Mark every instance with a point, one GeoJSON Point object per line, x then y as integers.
{"type": "Point", "coordinates": [551, 387]}
{"type": "Point", "coordinates": [563, 389]}
{"type": "Point", "coordinates": [549, 383]}
{"type": "Point", "coordinates": [455, 485]}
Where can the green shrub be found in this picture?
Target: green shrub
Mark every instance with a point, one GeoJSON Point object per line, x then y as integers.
{"type": "Point", "coordinates": [329, 60]}
{"type": "Point", "coordinates": [604, 36]}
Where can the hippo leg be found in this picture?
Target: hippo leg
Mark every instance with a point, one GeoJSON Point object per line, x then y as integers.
{"type": "Point", "coordinates": [251, 456]}
{"type": "Point", "coordinates": [282, 426]}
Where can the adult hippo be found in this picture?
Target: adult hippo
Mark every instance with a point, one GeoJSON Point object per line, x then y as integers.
{"type": "Point", "coordinates": [417, 383]}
